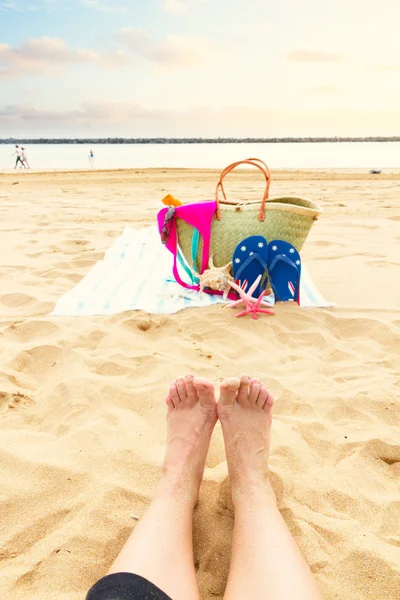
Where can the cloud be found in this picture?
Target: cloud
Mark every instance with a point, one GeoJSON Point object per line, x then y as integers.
{"type": "Point", "coordinates": [46, 55]}
{"type": "Point", "coordinates": [179, 6]}
{"type": "Point", "coordinates": [313, 56]}
{"type": "Point", "coordinates": [115, 112]}
{"type": "Point", "coordinates": [175, 6]}
{"type": "Point", "coordinates": [9, 7]}
{"type": "Point", "coordinates": [127, 119]}
{"type": "Point", "coordinates": [103, 6]}
{"type": "Point", "coordinates": [107, 6]}
{"type": "Point", "coordinates": [49, 54]}
{"type": "Point", "coordinates": [175, 51]}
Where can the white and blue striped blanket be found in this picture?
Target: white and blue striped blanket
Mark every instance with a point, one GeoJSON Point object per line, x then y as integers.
{"type": "Point", "coordinates": [136, 274]}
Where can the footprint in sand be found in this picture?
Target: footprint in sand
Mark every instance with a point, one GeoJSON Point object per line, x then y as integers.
{"type": "Point", "coordinates": [196, 337]}
{"type": "Point", "coordinates": [112, 369]}
{"type": "Point", "coordinates": [91, 341]}
{"type": "Point", "coordinates": [16, 300]}
{"type": "Point", "coordinates": [37, 361]}
{"type": "Point", "coordinates": [387, 453]}
{"type": "Point", "coordinates": [14, 400]}
{"type": "Point", "coordinates": [144, 325]}
{"type": "Point", "coordinates": [31, 330]}
{"type": "Point", "coordinates": [133, 324]}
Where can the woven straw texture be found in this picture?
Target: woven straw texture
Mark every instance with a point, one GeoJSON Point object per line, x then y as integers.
{"type": "Point", "coordinates": [288, 219]}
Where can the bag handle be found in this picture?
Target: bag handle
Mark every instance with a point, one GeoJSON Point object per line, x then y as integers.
{"type": "Point", "coordinates": [255, 162]}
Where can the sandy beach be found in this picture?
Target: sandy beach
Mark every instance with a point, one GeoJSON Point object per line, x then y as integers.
{"type": "Point", "coordinates": [82, 412]}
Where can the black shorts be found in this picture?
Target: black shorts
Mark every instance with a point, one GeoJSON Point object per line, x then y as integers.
{"type": "Point", "coordinates": [125, 586]}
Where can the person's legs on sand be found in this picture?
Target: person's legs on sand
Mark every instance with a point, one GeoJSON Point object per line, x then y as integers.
{"type": "Point", "coordinates": [160, 548]}
{"type": "Point", "coordinates": [266, 563]}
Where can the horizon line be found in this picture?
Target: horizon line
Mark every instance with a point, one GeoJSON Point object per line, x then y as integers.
{"type": "Point", "coordinates": [198, 140]}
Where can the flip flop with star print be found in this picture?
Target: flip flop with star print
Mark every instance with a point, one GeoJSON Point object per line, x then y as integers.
{"type": "Point", "coordinates": [250, 261]}
{"type": "Point", "coordinates": [284, 268]}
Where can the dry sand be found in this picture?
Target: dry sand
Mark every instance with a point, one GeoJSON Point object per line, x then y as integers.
{"type": "Point", "coordinates": [82, 413]}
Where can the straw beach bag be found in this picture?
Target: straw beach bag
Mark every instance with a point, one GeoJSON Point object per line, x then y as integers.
{"type": "Point", "coordinates": [286, 218]}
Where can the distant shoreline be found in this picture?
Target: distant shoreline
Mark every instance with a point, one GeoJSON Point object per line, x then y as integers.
{"type": "Point", "coordinates": [285, 140]}
{"type": "Point", "coordinates": [350, 173]}
{"type": "Point", "coordinates": [147, 176]}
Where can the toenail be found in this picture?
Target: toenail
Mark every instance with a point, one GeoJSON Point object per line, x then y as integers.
{"type": "Point", "coordinates": [229, 388]}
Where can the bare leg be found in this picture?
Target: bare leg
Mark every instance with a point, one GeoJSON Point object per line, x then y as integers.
{"type": "Point", "coordinates": [266, 562]}
{"type": "Point", "coordinates": [161, 548]}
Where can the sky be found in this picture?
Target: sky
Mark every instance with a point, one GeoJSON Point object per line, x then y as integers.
{"type": "Point", "coordinates": [179, 68]}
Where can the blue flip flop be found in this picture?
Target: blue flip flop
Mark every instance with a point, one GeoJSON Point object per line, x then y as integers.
{"type": "Point", "coordinates": [250, 261]}
{"type": "Point", "coordinates": [284, 268]}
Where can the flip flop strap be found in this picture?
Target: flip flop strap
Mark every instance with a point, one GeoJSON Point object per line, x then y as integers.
{"type": "Point", "coordinates": [248, 260]}
{"type": "Point", "coordinates": [283, 258]}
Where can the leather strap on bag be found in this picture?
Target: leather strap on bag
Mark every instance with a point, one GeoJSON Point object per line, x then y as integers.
{"type": "Point", "coordinates": [255, 162]}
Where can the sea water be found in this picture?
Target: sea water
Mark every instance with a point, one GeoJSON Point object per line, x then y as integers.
{"type": "Point", "coordinates": [328, 155]}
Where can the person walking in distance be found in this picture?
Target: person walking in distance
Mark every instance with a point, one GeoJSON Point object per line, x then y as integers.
{"type": "Point", "coordinates": [91, 158]}
{"type": "Point", "coordinates": [24, 158]}
{"type": "Point", "coordinates": [18, 152]}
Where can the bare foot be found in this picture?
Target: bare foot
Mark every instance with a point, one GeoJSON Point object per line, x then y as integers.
{"type": "Point", "coordinates": [192, 414]}
{"type": "Point", "coordinates": [245, 412]}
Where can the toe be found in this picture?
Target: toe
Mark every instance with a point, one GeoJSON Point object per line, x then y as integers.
{"type": "Point", "coordinates": [262, 396]}
{"type": "Point", "coordinates": [181, 387]}
{"type": "Point", "coordinates": [205, 391]}
{"type": "Point", "coordinates": [174, 395]}
{"type": "Point", "coordinates": [191, 390]}
{"type": "Point", "coordinates": [255, 386]}
{"type": "Point", "coordinates": [169, 402]}
{"type": "Point", "coordinates": [269, 402]}
{"type": "Point", "coordinates": [243, 393]}
{"type": "Point", "coordinates": [228, 391]}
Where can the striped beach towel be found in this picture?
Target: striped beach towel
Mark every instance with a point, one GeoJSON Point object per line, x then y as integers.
{"type": "Point", "coordinates": [136, 274]}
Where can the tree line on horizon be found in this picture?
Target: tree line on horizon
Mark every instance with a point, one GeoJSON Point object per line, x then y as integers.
{"type": "Point", "coordinates": [219, 140]}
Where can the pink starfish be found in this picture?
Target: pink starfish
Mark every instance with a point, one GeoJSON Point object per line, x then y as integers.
{"type": "Point", "coordinates": [242, 292]}
{"type": "Point", "coordinates": [252, 304]}
{"type": "Point", "coordinates": [255, 308]}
